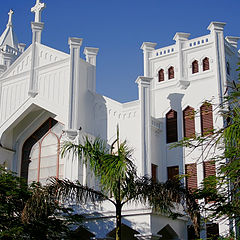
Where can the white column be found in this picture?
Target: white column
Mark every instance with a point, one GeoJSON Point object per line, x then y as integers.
{"type": "Point", "coordinates": [37, 28]}
{"type": "Point", "coordinates": [148, 48]}
{"type": "Point", "coordinates": [180, 38]}
{"type": "Point", "coordinates": [74, 44]}
{"type": "Point", "coordinates": [21, 47]}
{"type": "Point", "coordinates": [216, 31]}
{"type": "Point", "coordinates": [91, 54]}
{"type": "Point", "coordinates": [144, 84]}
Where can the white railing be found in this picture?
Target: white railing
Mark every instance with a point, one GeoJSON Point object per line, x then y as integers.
{"type": "Point", "coordinates": [198, 41]}
{"type": "Point", "coordinates": [164, 51]}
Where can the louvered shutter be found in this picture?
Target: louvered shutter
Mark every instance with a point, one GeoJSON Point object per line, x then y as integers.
{"type": "Point", "coordinates": [171, 73]}
{"type": "Point", "coordinates": [189, 122]}
{"type": "Point", "coordinates": [209, 169]}
{"type": "Point", "coordinates": [161, 75]}
{"type": "Point", "coordinates": [173, 172]}
{"type": "Point", "coordinates": [206, 119]}
{"type": "Point", "coordinates": [195, 66]}
{"type": "Point", "coordinates": [206, 64]}
{"type": "Point", "coordinates": [171, 126]}
{"type": "Point", "coordinates": [154, 172]}
{"type": "Point", "coordinates": [191, 179]}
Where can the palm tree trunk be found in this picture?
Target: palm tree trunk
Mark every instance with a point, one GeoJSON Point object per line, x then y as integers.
{"type": "Point", "coordinates": [118, 220]}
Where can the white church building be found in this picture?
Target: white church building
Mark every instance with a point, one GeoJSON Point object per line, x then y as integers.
{"type": "Point", "coordinates": [47, 96]}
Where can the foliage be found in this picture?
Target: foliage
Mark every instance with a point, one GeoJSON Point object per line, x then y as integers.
{"type": "Point", "coordinates": [18, 220]}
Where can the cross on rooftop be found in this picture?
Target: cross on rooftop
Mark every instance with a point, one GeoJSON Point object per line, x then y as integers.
{"type": "Point", "coordinates": [10, 17]}
{"type": "Point", "coordinates": [37, 9]}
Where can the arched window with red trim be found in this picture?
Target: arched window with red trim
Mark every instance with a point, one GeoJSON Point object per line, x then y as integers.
{"type": "Point", "coordinates": [171, 126]}
{"type": "Point", "coordinates": [189, 122]}
{"type": "Point", "coordinates": [161, 75]}
{"type": "Point", "coordinates": [40, 153]}
{"type": "Point", "coordinates": [194, 66]}
{"type": "Point", "coordinates": [206, 64]}
{"type": "Point", "coordinates": [171, 72]}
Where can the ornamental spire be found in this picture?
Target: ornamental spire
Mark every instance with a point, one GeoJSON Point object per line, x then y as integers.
{"type": "Point", "coordinates": [10, 17]}
{"type": "Point", "coordinates": [37, 9]}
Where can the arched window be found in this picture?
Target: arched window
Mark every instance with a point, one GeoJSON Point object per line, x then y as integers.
{"type": "Point", "coordinates": [171, 73]}
{"type": "Point", "coordinates": [171, 126]}
{"type": "Point", "coordinates": [195, 66]}
{"type": "Point", "coordinates": [40, 153]}
{"type": "Point", "coordinates": [206, 64]}
{"type": "Point", "coordinates": [206, 118]}
{"type": "Point", "coordinates": [161, 75]}
{"type": "Point", "coordinates": [189, 122]}
{"type": "Point", "coordinates": [228, 68]}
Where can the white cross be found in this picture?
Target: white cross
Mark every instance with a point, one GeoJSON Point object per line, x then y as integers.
{"type": "Point", "coordinates": [10, 17]}
{"type": "Point", "coordinates": [38, 10]}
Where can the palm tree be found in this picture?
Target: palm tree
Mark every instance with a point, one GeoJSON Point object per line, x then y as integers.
{"type": "Point", "coordinates": [119, 182]}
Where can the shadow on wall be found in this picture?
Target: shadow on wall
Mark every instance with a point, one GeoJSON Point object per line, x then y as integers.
{"type": "Point", "coordinates": [100, 117]}
{"type": "Point", "coordinates": [167, 233]}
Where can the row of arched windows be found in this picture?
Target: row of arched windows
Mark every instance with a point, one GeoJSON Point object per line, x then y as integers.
{"type": "Point", "coordinates": [195, 69]}
{"type": "Point", "coordinates": [170, 74]}
{"type": "Point", "coordinates": [189, 122]}
{"type": "Point", "coordinates": [205, 65]}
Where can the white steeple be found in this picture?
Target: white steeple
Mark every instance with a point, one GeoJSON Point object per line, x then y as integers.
{"type": "Point", "coordinates": [10, 49]}
{"type": "Point", "coordinates": [9, 37]}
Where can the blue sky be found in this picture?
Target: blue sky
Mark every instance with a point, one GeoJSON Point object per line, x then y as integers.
{"type": "Point", "coordinates": [118, 29]}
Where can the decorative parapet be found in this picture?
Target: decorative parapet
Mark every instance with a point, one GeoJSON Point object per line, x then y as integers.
{"type": "Point", "coordinates": [164, 51]}
{"type": "Point", "coordinates": [200, 41]}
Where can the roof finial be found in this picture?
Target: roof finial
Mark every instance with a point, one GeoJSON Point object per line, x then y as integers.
{"type": "Point", "coordinates": [10, 17]}
{"type": "Point", "coordinates": [37, 9]}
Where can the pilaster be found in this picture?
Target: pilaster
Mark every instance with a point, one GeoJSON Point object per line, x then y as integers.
{"type": "Point", "coordinates": [37, 28]}
{"type": "Point", "coordinates": [148, 48]}
{"type": "Point", "coordinates": [216, 30]}
{"type": "Point", "coordinates": [144, 85]}
{"type": "Point", "coordinates": [180, 38]}
{"type": "Point", "coordinates": [74, 44]}
{"type": "Point", "coordinates": [91, 55]}
{"type": "Point", "coordinates": [21, 47]}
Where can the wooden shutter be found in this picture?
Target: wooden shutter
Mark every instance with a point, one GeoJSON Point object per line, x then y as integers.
{"type": "Point", "coordinates": [189, 122]}
{"type": "Point", "coordinates": [191, 179]}
{"type": "Point", "coordinates": [173, 172]}
{"type": "Point", "coordinates": [161, 75]}
{"type": "Point", "coordinates": [171, 126]}
{"type": "Point", "coordinates": [206, 64]}
{"type": "Point", "coordinates": [171, 73]}
{"type": "Point", "coordinates": [209, 169]}
{"type": "Point", "coordinates": [206, 118]}
{"type": "Point", "coordinates": [195, 66]}
{"type": "Point", "coordinates": [213, 231]}
{"type": "Point", "coordinates": [154, 172]}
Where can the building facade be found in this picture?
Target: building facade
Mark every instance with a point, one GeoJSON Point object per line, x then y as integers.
{"type": "Point", "coordinates": [48, 96]}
